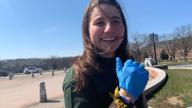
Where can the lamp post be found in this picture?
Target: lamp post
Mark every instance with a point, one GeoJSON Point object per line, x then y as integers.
{"type": "Point", "coordinates": [154, 39]}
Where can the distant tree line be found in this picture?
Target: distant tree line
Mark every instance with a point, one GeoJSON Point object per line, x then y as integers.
{"type": "Point", "coordinates": [18, 65]}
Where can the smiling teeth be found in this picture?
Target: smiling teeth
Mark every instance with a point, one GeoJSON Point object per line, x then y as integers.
{"type": "Point", "coordinates": [109, 39]}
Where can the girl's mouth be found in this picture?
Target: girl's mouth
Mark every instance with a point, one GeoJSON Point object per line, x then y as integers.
{"type": "Point", "coordinates": [108, 39]}
{"type": "Point", "coordinates": [111, 39]}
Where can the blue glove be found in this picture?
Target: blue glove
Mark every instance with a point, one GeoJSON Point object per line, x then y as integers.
{"type": "Point", "coordinates": [132, 77]}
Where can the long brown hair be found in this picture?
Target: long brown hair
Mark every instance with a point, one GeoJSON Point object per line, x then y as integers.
{"type": "Point", "coordinates": [86, 63]}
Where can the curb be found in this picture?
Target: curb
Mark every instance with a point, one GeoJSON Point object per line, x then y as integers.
{"type": "Point", "coordinates": [155, 84]}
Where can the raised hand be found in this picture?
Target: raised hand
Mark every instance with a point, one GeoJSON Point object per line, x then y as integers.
{"type": "Point", "coordinates": [132, 77]}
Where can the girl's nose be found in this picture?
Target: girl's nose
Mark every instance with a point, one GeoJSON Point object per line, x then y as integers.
{"type": "Point", "coordinates": [108, 27]}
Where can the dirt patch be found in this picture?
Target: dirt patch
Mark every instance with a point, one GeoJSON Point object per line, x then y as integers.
{"type": "Point", "coordinates": [153, 74]}
{"type": "Point", "coordinates": [175, 101]}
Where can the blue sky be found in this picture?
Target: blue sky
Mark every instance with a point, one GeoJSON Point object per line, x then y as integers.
{"type": "Point", "coordinates": [45, 28]}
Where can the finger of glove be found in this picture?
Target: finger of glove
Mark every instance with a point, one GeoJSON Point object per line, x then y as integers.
{"type": "Point", "coordinates": [142, 81]}
{"type": "Point", "coordinates": [135, 63]}
{"type": "Point", "coordinates": [146, 76]}
{"type": "Point", "coordinates": [139, 87]}
{"type": "Point", "coordinates": [130, 67]}
{"type": "Point", "coordinates": [128, 62]}
{"type": "Point", "coordinates": [143, 84]}
{"type": "Point", "coordinates": [141, 66]}
{"type": "Point", "coordinates": [143, 76]}
{"type": "Point", "coordinates": [130, 87]}
{"type": "Point", "coordinates": [132, 63]}
{"type": "Point", "coordinates": [142, 71]}
{"type": "Point", "coordinates": [139, 83]}
{"type": "Point", "coordinates": [119, 65]}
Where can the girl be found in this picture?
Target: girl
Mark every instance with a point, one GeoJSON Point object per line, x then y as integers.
{"type": "Point", "coordinates": [96, 74]}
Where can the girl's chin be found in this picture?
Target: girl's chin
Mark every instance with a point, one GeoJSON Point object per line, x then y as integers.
{"type": "Point", "coordinates": [109, 53]}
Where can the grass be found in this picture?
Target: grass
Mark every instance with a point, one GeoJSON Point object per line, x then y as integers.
{"type": "Point", "coordinates": [179, 85]}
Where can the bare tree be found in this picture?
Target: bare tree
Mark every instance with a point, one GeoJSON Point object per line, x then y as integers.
{"type": "Point", "coordinates": [169, 43]}
{"type": "Point", "coordinates": [138, 44]}
{"type": "Point", "coordinates": [184, 35]}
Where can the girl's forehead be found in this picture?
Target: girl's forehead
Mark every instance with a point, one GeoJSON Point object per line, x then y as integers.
{"type": "Point", "coordinates": [105, 10]}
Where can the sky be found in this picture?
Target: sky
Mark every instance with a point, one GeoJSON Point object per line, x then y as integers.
{"type": "Point", "coordinates": [47, 28]}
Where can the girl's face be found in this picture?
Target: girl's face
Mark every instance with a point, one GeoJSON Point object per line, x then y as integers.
{"type": "Point", "coordinates": [106, 29]}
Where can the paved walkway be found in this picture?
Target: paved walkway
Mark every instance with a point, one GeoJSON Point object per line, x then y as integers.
{"type": "Point", "coordinates": [188, 66]}
{"type": "Point", "coordinates": [55, 103]}
{"type": "Point", "coordinates": [23, 90]}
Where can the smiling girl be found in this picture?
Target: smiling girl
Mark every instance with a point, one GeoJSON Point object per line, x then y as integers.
{"type": "Point", "coordinates": [99, 70]}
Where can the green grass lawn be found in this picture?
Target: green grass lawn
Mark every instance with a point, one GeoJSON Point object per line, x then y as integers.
{"type": "Point", "coordinates": [177, 92]}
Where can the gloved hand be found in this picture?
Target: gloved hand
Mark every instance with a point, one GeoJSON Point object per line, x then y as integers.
{"type": "Point", "coordinates": [132, 77]}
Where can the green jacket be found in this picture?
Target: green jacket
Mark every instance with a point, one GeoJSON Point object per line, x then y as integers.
{"type": "Point", "coordinates": [98, 86]}
{"type": "Point", "coordinates": [94, 95]}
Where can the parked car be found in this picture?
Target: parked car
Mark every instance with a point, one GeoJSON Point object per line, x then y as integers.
{"type": "Point", "coordinates": [3, 73]}
{"type": "Point", "coordinates": [29, 70]}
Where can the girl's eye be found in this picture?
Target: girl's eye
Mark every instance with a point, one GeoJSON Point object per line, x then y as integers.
{"type": "Point", "coordinates": [115, 21]}
{"type": "Point", "coordinates": [100, 23]}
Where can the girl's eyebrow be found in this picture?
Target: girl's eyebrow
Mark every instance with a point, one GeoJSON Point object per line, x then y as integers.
{"type": "Point", "coordinates": [115, 17]}
{"type": "Point", "coordinates": [99, 18]}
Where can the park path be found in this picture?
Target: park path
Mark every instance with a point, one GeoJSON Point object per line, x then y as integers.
{"type": "Point", "coordinates": [23, 90]}
{"type": "Point", "coordinates": [187, 66]}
